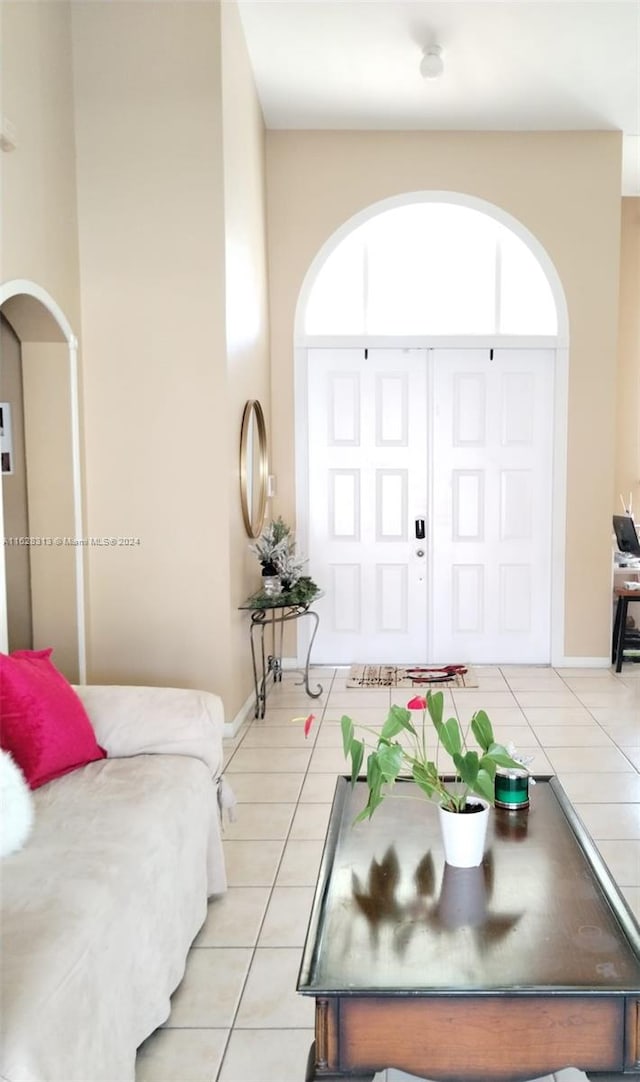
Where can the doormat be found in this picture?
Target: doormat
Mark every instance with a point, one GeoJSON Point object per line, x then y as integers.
{"type": "Point", "coordinates": [411, 676]}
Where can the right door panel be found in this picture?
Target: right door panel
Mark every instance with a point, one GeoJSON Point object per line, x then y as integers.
{"type": "Point", "coordinates": [491, 462]}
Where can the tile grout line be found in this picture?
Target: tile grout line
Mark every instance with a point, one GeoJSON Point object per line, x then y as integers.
{"type": "Point", "coordinates": [270, 895]}
{"type": "Point", "coordinates": [599, 723]}
{"type": "Point", "coordinates": [593, 720]}
{"type": "Point", "coordinates": [306, 774]}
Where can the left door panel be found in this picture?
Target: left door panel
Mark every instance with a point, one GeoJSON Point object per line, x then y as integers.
{"type": "Point", "coordinates": [367, 486]}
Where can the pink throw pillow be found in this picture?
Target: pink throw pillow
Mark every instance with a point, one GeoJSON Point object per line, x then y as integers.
{"type": "Point", "coordinates": [43, 723]}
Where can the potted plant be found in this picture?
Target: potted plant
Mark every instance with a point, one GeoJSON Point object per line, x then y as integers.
{"type": "Point", "coordinates": [281, 567]}
{"type": "Point", "coordinates": [273, 544]}
{"type": "Point", "coordinates": [463, 800]}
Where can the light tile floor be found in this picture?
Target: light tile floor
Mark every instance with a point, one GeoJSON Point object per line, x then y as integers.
{"type": "Point", "coordinates": [236, 1016]}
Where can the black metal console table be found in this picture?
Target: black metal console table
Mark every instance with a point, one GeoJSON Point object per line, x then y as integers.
{"type": "Point", "coordinates": [274, 612]}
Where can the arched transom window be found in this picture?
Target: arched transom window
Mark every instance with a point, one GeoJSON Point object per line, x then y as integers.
{"type": "Point", "coordinates": [431, 268]}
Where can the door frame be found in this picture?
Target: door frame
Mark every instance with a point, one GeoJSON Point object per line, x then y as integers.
{"type": "Point", "coordinates": [559, 343]}
{"type": "Point", "coordinates": [22, 287]}
{"type": "Point", "coordinates": [558, 495]}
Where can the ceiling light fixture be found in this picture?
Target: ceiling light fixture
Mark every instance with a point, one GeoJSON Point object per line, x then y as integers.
{"type": "Point", "coordinates": [431, 65]}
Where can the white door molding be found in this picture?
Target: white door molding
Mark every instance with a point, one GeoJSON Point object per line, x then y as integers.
{"type": "Point", "coordinates": [302, 342]}
{"type": "Point", "coordinates": [18, 287]}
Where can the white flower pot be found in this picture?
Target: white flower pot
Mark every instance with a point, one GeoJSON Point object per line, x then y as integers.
{"type": "Point", "coordinates": [271, 585]}
{"type": "Point", "coordinates": [464, 834]}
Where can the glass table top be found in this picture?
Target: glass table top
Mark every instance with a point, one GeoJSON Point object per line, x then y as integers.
{"type": "Point", "coordinates": [286, 600]}
{"type": "Point", "coordinates": [540, 913]}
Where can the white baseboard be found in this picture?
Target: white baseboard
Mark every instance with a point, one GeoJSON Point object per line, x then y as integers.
{"type": "Point", "coordinates": [232, 727]}
{"type": "Point", "coordinates": [247, 708]}
{"type": "Point", "coordinates": [561, 663]}
{"type": "Point", "coordinates": [582, 663]}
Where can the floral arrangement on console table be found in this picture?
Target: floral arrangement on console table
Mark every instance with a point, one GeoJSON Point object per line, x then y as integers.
{"type": "Point", "coordinates": [463, 801]}
{"type": "Point", "coordinates": [281, 568]}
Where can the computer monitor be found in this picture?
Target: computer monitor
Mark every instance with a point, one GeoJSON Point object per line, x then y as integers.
{"type": "Point", "coordinates": [626, 535]}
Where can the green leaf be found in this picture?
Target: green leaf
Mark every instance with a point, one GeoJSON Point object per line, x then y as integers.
{"type": "Point", "coordinates": [467, 767]}
{"type": "Point", "coordinates": [374, 774]}
{"type": "Point", "coordinates": [483, 786]}
{"type": "Point", "coordinates": [398, 719]}
{"type": "Point", "coordinates": [482, 729]}
{"type": "Point", "coordinates": [450, 737]}
{"type": "Point", "coordinates": [435, 706]}
{"type": "Point", "coordinates": [390, 761]}
{"type": "Point", "coordinates": [346, 725]}
{"type": "Point", "coordinates": [374, 801]}
{"type": "Point", "coordinates": [501, 757]}
{"type": "Point", "coordinates": [427, 769]}
{"type": "Point", "coordinates": [487, 764]}
{"type": "Point", "coordinates": [390, 728]}
{"type": "Point", "coordinates": [424, 778]}
{"type": "Point", "coordinates": [375, 781]}
{"type": "Point", "coordinates": [357, 755]}
{"type": "Point", "coordinates": [454, 802]}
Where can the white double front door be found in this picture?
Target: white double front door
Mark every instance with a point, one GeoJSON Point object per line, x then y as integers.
{"type": "Point", "coordinates": [429, 497]}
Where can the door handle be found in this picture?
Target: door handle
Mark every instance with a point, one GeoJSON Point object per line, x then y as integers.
{"type": "Point", "coordinates": [419, 529]}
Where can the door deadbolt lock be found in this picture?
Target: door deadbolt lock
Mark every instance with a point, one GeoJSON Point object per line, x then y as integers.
{"type": "Point", "coordinates": [419, 552]}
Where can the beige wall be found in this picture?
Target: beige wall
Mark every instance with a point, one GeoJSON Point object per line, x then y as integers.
{"type": "Point", "coordinates": [45, 373]}
{"type": "Point", "coordinates": [172, 238]}
{"type": "Point", "coordinates": [149, 175]}
{"type": "Point", "coordinates": [564, 187]}
{"type": "Point", "coordinates": [38, 499]}
{"type": "Point", "coordinates": [38, 214]}
{"type": "Point", "coordinates": [246, 301]}
{"type": "Point", "coordinates": [170, 196]}
{"type": "Point", "coordinates": [628, 417]}
{"type": "Point", "coordinates": [174, 302]}
{"type": "Point", "coordinates": [39, 243]}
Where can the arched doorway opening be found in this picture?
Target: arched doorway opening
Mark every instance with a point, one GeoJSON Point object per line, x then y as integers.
{"type": "Point", "coordinates": [42, 569]}
{"type": "Point", "coordinates": [429, 314]}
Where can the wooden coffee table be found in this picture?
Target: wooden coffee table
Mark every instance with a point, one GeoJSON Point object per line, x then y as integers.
{"type": "Point", "coordinates": [510, 971]}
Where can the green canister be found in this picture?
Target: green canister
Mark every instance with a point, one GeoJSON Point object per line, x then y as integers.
{"type": "Point", "coordinates": [512, 789]}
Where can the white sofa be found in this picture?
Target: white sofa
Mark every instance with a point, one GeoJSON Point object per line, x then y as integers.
{"type": "Point", "coordinates": [100, 907]}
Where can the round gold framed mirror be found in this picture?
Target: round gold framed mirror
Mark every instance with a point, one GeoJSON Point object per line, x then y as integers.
{"type": "Point", "coordinates": [253, 468]}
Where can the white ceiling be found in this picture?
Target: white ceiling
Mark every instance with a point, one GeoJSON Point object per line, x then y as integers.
{"type": "Point", "coordinates": [509, 65]}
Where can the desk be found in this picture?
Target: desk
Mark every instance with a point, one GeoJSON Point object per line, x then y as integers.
{"type": "Point", "coordinates": [620, 624]}
{"type": "Point", "coordinates": [274, 613]}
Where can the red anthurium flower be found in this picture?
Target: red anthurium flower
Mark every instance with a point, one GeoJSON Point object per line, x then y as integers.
{"type": "Point", "coordinates": [417, 703]}
{"type": "Point", "coordinates": [308, 722]}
